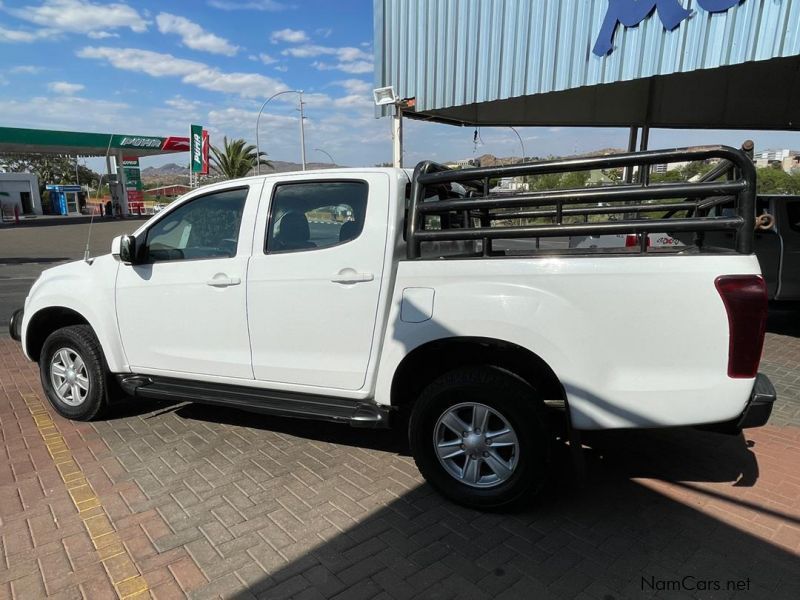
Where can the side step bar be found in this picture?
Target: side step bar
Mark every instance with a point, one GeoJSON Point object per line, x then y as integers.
{"type": "Point", "coordinates": [357, 413]}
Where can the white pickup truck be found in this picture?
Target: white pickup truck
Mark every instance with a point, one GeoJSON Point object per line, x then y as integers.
{"type": "Point", "coordinates": [356, 295]}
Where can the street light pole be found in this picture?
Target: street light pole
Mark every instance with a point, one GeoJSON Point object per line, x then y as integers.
{"type": "Point", "coordinates": [302, 131]}
{"type": "Point", "coordinates": [397, 135]}
{"type": "Point", "coordinates": [519, 137]}
{"type": "Point", "coordinates": [333, 162]}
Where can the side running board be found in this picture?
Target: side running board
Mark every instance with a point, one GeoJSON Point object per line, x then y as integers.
{"type": "Point", "coordinates": [357, 413]}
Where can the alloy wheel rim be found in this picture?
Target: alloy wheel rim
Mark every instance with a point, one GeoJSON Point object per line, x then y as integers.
{"type": "Point", "coordinates": [476, 445]}
{"type": "Point", "coordinates": [69, 376]}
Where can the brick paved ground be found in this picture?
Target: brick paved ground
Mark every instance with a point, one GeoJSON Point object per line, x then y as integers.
{"type": "Point", "coordinates": [209, 502]}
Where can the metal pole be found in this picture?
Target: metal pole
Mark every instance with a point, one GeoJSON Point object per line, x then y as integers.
{"type": "Point", "coordinates": [333, 162]}
{"type": "Point", "coordinates": [627, 173]}
{"type": "Point", "coordinates": [397, 137]}
{"type": "Point", "coordinates": [122, 186]}
{"type": "Point", "coordinates": [302, 134]}
{"type": "Point", "coordinates": [258, 119]}
{"type": "Point", "coordinates": [644, 170]}
{"type": "Point", "coordinates": [519, 137]}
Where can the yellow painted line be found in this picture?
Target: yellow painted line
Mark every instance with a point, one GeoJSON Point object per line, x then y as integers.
{"type": "Point", "coordinates": [122, 571]}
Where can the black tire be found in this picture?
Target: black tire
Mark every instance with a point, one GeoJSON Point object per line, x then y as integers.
{"type": "Point", "coordinates": [81, 340]}
{"type": "Point", "coordinates": [514, 401]}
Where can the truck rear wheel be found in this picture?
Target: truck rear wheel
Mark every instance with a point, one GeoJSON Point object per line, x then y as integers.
{"type": "Point", "coordinates": [73, 372]}
{"type": "Point", "coordinates": [478, 435]}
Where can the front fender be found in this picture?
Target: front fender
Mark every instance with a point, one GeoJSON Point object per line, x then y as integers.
{"type": "Point", "coordinates": [86, 288]}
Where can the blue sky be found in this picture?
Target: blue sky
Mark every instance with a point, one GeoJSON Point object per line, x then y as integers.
{"type": "Point", "coordinates": [153, 68]}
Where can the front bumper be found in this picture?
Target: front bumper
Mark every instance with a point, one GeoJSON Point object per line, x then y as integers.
{"type": "Point", "coordinates": [15, 325]}
{"type": "Point", "coordinates": [759, 407]}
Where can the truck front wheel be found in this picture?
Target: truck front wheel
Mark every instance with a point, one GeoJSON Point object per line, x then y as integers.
{"type": "Point", "coordinates": [73, 372]}
{"type": "Point", "coordinates": [478, 435]}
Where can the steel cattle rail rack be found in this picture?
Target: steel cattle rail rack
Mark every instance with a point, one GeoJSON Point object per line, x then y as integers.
{"type": "Point", "coordinates": [480, 208]}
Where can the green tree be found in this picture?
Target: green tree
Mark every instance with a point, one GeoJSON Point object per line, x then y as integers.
{"type": "Point", "coordinates": [574, 180]}
{"type": "Point", "coordinates": [236, 158]}
{"type": "Point", "coordinates": [770, 180]}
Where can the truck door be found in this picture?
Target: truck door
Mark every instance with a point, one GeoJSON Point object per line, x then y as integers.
{"type": "Point", "coordinates": [789, 224]}
{"type": "Point", "coordinates": [315, 277]}
{"type": "Point", "coordinates": [182, 311]}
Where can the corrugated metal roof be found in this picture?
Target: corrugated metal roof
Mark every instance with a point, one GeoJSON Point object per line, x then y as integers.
{"type": "Point", "coordinates": [450, 53]}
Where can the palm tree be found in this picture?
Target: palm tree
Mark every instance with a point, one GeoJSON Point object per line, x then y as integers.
{"type": "Point", "coordinates": [236, 158]}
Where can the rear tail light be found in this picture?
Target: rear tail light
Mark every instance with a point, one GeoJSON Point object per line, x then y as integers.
{"type": "Point", "coordinates": [745, 299]}
{"type": "Point", "coordinates": [632, 239]}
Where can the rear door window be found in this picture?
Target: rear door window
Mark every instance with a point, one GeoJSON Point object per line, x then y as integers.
{"type": "Point", "coordinates": [315, 215]}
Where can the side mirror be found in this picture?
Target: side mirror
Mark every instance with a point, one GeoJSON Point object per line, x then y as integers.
{"type": "Point", "coordinates": [123, 247]}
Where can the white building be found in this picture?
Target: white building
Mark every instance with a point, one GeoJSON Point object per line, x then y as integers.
{"type": "Point", "coordinates": [786, 157]}
{"type": "Point", "coordinates": [20, 190]}
{"type": "Point", "coordinates": [773, 155]}
{"type": "Point", "coordinates": [664, 167]}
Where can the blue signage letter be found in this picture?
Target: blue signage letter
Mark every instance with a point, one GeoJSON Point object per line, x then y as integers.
{"type": "Point", "coordinates": [632, 12]}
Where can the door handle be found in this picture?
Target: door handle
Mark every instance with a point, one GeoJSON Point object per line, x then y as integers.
{"type": "Point", "coordinates": [351, 276]}
{"type": "Point", "coordinates": [220, 280]}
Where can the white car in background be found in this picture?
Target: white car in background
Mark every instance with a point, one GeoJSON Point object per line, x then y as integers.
{"type": "Point", "coordinates": [630, 240]}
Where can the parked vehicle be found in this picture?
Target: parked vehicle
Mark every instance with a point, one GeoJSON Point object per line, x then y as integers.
{"type": "Point", "coordinates": [776, 244]}
{"type": "Point", "coordinates": [363, 295]}
{"type": "Point", "coordinates": [654, 240]}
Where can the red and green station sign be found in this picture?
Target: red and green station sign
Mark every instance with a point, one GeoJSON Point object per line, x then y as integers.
{"type": "Point", "coordinates": [80, 143]}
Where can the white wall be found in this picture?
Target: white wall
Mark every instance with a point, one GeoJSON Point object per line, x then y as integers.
{"type": "Point", "coordinates": [15, 183]}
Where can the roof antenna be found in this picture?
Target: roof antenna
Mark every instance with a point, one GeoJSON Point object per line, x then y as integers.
{"type": "Point", "coordinates": [97, 197]}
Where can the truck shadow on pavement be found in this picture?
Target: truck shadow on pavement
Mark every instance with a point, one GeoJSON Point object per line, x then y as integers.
{"type": "Point", "coordinates": [670, 507]}
{"type": "Point", "coordinates": [616, 537]}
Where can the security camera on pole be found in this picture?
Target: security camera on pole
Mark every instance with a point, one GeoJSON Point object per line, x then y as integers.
{"type": "Point", "coordinates": [386, 96]}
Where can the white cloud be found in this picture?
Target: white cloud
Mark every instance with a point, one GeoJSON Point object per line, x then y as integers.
{"type": "Point", "coordinates": [266, 58]}
{"type": "Point", "coordinates": [27, 69]}
{"type": "Point", "coordinates": [183, 104]}
{"type": "Point", "coordinates": [193, 36]}
{"type": "Point", "coordinates": [102, 35]}
{"type": "Point", "coordinates": [282, 68]}
{"type": "Point", "coordinates": [290, 36]}
{"type": "Point", "coordinates": [355, 86]}
{"type": "Point", "coordinates": [81, 16]}
{"type": "Point", "coordinates": [70, 112]}
{"type": "Point", "coordinates": [355, 101]}
{"type": "Point", "coordinates": [358, 94]}
{"type": "Point", "coordinates": [323, 32]}
{"type": "Point", "coordinates": [242, 121]}
{"type": "Point", "coordinates": [156, 64]}
{"type": "Point", "coordinates": [361, 66]}
{"type": "Point", "coordinates": [152, 63]}
{"type": "Point", "coordinates": [263, 5]}
{"type": "Point", "coordinates": [65, 87]}
{"type": "Point", "coordinates": [23, 36]}
{"type": "Point", "coordinates": [345, 54]}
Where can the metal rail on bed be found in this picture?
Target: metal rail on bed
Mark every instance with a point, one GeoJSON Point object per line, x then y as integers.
{"type": "Point", "coordinates": [474, 217]}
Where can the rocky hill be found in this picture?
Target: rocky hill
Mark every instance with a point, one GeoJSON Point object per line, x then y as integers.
{"type": "Point", "coordinates": [172, 173]}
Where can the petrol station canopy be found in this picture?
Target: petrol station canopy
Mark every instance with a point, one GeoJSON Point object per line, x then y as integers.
{"type": "Point", "coordinates": [80, 143]}
{"type": "Point", "coordinates": [722, 64]}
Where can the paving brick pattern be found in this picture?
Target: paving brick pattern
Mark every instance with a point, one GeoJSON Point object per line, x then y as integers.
{"type": "Point", "coordinates": [210, 503]}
